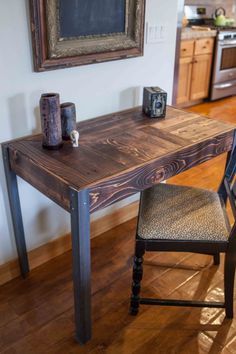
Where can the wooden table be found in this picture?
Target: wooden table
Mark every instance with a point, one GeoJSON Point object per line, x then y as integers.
{"type": "Point", "coordinates": [119, 154]}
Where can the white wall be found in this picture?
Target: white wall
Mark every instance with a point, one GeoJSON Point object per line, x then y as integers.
{"type": "Point", "coordinates": [114, 86]}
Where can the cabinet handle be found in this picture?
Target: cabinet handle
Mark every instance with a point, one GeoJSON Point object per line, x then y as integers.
{"type": "Point", "coordinates": [204, 47]}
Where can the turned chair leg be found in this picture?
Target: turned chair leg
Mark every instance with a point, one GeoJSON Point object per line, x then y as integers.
{"type": "Point", "coordinates": [229, 273]}
{"type": "Point", "coordinates": [216, 257]}
{"type": "Point", "coordinates": [137, 277]}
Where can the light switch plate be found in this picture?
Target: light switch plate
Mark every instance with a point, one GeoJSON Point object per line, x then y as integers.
{"type": "Point", "coordinates": [155, 33]}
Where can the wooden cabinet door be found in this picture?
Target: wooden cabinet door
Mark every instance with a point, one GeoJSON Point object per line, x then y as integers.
{"type": "Point", "coordinates": [200, 76]}
{"type": "Point", "coordinates": [186, 48]}
{"type": "Point", "coordinates": [185, 71]}
{"type": "Point", "coordinates": [203, 46]}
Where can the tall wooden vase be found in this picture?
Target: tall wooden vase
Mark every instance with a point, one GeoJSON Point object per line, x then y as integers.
{"type": "Point", "coordinates": [68, 119]}
{"type": "Point", "coordinates": [51, 120]}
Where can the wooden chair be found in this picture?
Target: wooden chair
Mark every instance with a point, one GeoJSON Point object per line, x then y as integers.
{"type": "Point", "coordinates": [185, 219]}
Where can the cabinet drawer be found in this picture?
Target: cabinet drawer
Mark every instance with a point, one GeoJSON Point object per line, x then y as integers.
{"type": "Point", "coordinates": [186, 49]}
{"type": "Point", "coordinates": [204, 46]}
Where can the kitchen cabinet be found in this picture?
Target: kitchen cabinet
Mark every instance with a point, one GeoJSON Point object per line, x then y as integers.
{"type": "Point", "coordinates": [184, 84]}
{"type": "Point", "coordinates": [194, 69]}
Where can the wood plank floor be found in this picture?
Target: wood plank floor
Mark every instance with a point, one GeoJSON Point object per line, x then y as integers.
{"type": "Point", "coordinates": [36, 314]}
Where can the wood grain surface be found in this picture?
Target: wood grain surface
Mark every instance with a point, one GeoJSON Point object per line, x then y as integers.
{"type": "Point", "coordinates": [37, 312]}
{"type": "Point", "coordinates": [120, 154]}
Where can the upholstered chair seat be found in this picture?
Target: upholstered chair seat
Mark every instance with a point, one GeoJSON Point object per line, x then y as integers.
{"type": "Point", "coordinates": [177, 212]}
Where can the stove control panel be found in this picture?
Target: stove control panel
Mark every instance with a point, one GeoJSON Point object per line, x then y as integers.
{"type": "Point", "coordinates": [227, 36]}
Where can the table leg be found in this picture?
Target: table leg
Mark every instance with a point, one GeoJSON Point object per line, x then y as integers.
{"type": "Point", "coordinates": [80, 232]}
{"type": "Point", "coordinates": [15, 208]}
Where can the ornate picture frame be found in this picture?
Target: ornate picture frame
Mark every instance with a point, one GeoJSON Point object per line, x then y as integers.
{"type": "Point", "coordinates": [55, 45]}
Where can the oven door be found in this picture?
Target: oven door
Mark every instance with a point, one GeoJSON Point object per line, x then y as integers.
{"type": "Point", "coordinates": [225, 62]}
{"type": "Point", "coordinates": [224, 70]}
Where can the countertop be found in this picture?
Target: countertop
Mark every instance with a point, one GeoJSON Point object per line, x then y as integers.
{"type": "Point", "coordinates": [189, 33]}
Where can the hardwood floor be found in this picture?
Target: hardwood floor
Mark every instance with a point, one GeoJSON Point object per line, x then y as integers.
{"type": "Point", "coordinates": [36, 314]}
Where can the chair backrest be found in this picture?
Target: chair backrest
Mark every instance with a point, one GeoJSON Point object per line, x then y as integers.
{"type": "Point", "coordinates": [227, 189]}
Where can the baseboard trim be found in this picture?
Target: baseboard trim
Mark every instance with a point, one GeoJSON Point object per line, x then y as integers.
{"type": "Point", "coordinates": [52, 249]}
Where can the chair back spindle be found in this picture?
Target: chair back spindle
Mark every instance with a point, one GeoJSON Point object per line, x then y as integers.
{"type": "Point", "coordinates": [230, 183]}
{"type": "Point", "coordinates": [227, 189]}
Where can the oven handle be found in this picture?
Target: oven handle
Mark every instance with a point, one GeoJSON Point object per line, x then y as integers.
{"type": "Point", "coordinates": [223, 86]}
{"type": "Point", "coordinates": [227, 43]}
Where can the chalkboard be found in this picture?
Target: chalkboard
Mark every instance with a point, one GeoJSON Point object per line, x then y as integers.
{"type": "Point", "coordinates": [91, 17]}
{"type": "Point", "coordinates": [67, 33]}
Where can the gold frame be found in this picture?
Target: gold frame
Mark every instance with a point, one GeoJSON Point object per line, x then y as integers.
{"type": "Point", "coordinates": [51, 51]}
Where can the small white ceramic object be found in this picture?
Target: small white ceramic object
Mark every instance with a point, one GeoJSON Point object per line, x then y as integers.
{"type": "Point", "coordinates": [74, 136]}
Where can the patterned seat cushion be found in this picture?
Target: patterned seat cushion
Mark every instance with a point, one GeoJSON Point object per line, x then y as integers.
{"type": "Point", "coordinates": [181, 213]}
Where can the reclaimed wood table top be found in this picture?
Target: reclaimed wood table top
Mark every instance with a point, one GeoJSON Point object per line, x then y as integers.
{"type": "Point", "coordinates": [120, 154]}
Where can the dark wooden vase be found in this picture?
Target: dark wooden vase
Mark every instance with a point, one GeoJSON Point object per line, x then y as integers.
{"type": "Point", "coordinates": [51, 120]}
{"type": "Point", "coordinates": [68, 119]}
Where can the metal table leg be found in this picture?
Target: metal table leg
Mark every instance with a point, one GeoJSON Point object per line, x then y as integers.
{"type": "Point", "coordinates": [15, 207]}
{"type": "Point", "coordinates": [80, 232]}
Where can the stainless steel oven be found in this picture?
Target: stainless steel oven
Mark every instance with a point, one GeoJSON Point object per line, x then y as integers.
{"type": "Point", "coordinates": [224, 67]}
